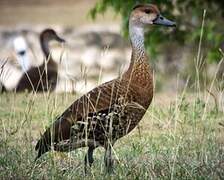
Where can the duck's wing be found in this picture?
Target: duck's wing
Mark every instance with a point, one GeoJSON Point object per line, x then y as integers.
{"type": "Point", "coordinates": [100, 99]}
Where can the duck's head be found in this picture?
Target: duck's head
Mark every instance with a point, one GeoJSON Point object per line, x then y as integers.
{"type": "Point", "coordinates": [148, 14]}
{"type": "Point", "coordinates": [50, 34]}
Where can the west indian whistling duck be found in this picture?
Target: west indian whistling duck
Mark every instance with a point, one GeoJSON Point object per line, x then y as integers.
{"type": "Point", "coordinates": [44, 77]}
{"type": "Point", "coordinates": [113, 109]}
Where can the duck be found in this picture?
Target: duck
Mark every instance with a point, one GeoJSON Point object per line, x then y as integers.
{"type": "Point", "coordinates": [113, 109]}
{"type": "Point", "coordinates": [43, 77]}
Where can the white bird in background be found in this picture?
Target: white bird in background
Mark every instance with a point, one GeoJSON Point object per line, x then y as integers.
{"type": "Point", "coordinates": [9, 75]}
{"type": "Point", "coordinates": [21, 48]}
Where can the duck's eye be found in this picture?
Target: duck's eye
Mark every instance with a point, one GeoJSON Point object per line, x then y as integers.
{"type": "Point", "coordinates": [147, 11]}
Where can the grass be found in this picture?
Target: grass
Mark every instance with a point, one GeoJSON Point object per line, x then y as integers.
{"type": "Point", "coordinates": [181, 139]}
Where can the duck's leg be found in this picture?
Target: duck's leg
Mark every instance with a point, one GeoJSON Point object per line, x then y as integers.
{"type": "Point", "coordinates": [89, 158]}
{"type": "Point", "coordinates": [108, 159]}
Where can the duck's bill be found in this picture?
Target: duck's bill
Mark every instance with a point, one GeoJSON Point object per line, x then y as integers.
{"type": "Point", "coordinates": [60, 39]}
{"type": "Point", "coordinates": [160, 20]}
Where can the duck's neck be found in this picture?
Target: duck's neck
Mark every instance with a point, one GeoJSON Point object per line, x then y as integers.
{"type": "Point", "coordinates": [46, 50]}
{"type": "Point", "coordinates": [137, 39]}
{"type": "Point", "coordinates": [139, 57]}
{"type": "Point", "coordinates": [138, 73]}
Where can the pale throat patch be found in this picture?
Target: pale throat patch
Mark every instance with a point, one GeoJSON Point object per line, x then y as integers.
{"type": "Point", "coordinates": [137, 39]}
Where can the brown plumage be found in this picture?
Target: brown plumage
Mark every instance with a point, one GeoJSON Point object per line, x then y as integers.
{"type": "Point", "coordinates": [111, 110]}
{"type": "Point", "coordinates": [43, 77]}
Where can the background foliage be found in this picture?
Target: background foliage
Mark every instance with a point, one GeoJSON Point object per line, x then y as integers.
{"type": "Point", "coordinates": [188, 15]}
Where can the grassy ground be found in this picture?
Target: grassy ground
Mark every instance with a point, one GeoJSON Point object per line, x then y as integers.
{"type": "Point", "coordinates": [179, 139]}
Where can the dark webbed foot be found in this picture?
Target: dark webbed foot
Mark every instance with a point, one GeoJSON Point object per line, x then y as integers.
{"type": "Point", "coordinates": [89, 158]}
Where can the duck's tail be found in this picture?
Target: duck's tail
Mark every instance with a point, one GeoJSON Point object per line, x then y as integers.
{"type": "Point", "coordinates": [44, 144]}
{"type": "Point", "coordinates": [60, 130]}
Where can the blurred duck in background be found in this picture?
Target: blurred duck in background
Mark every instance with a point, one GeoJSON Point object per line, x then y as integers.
{"type": "Point", "coordinates": [41, 78]}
